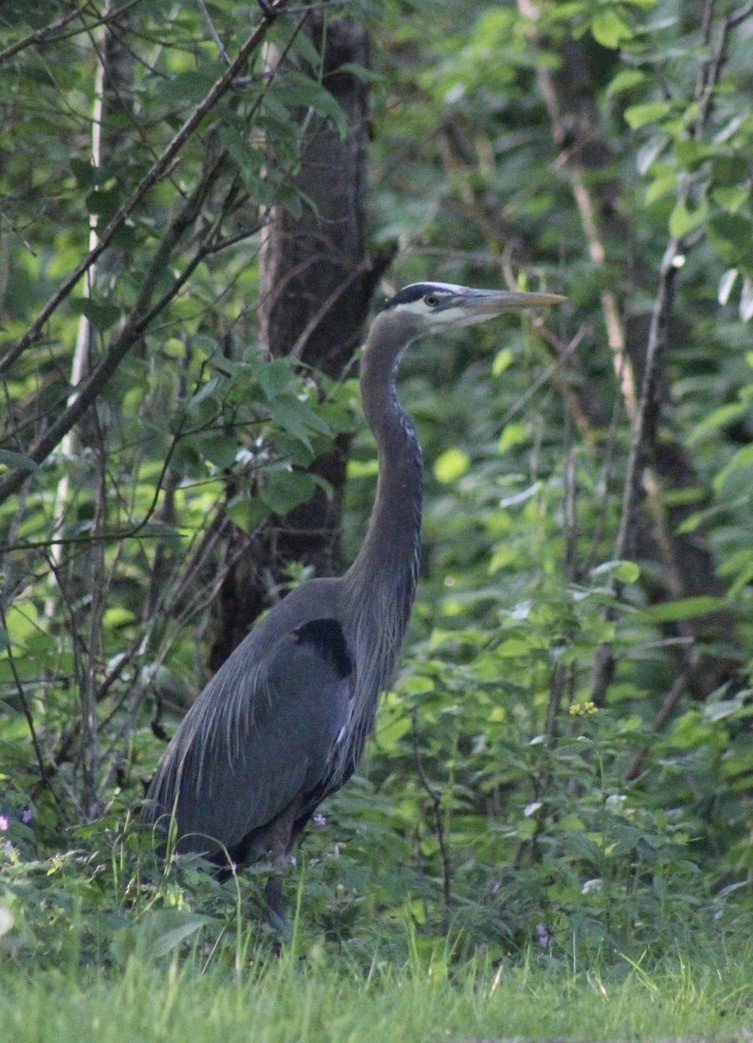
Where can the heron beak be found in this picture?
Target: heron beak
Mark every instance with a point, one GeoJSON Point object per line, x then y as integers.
{"type": "Point", "coordinates": [488, 303]}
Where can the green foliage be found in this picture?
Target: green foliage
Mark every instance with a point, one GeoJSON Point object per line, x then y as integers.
{"type": "Point", "coordinates": [500, 809]}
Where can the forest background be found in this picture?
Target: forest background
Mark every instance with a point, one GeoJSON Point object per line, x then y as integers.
{"type": "Point", "coordinates": [202, 203]}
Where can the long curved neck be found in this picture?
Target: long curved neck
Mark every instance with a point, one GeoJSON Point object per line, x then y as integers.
{"type": "Point", "coordinates": [387, 564]}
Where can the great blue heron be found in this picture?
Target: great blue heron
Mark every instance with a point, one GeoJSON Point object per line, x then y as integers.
{"type": "Point", "coordinates": [283, 722]}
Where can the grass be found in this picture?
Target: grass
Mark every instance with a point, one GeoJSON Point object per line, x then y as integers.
{"type": "Point", "coordinates": [320, 997]}
{"type": "Point", "coordinates": [91, 950]}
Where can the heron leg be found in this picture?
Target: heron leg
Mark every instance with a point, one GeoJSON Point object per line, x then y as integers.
{"type": "Point", "coordinates": [280, 845]}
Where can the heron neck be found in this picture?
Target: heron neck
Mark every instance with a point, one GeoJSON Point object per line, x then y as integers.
{"type": "Point", "coordinates": [387, 564]}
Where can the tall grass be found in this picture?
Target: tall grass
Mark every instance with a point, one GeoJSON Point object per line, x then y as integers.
{"type": "Point", "coordinates": [312, 996]}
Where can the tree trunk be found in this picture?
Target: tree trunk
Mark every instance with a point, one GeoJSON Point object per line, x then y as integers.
{"type": "Point", "coordinates": [317, 279]}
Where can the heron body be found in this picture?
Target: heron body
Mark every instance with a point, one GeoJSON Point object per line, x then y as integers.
{"type": "Point", "coordinates": [284, 721]}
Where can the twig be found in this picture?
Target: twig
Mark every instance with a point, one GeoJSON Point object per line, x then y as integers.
{"type": "Point", "coordinates": [40, 35]}
{"type": "Point", "coordinates": [300, 345]}
{"type": "Point", "coordinates": [46, 35]}
{"type": "Point", "coordinates": [44, 769]}
{"type": "Point", "coordinates": [213, 32]}
{"type": "Point", "coordinates": [129, 335]}
{"type": "Point", "coordinates": [436, 803]}
{"type": "Point", "coordinates": [668, 707]}
{"type": "Point", "coordinates": [157, 170]}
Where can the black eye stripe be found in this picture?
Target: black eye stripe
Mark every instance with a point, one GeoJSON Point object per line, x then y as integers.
{"type": "Point", "coordinates": [416, 292]}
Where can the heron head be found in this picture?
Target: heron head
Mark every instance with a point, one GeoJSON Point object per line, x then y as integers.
{"type": "Point", "coordinates": [436, 306]}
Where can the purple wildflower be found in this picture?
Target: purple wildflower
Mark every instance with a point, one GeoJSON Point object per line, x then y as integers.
{"type": "Point", "coordinates": [4, 822]}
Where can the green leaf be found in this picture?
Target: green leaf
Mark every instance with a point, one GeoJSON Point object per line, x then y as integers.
{"type": "Point", "coordinates": [86, 175]}
{"type": "Point", "coordinates": [168, 940]}
{"type": "Point", "coordinates": [731, 199]}
{"type": "Point", "coordinates": [101, 314]}
{"type": "Point", "coordinates": [275, 377]}
{"type": "Point", "coordinates": [691, 153]}
{"type": "Point", "coordinates": [298, 419]}
{"type": "Point", "coordinates": [417, 684]}
{"type": "Point", "coordinates": [664, 182]}
{"type": "Point", "coordinates": [682, 221]}
{"type": "Point", "coordinates": [682, 608]}
{"type": "Point", "coordinates": [649, 112]}
{"type": "Point", "coordinates": [503, 557]}
{"type": "Point", "coordinates": [625, 80]}
{"type": "Point", "coordinates": [731, 235]}
{"type": "Point", "coordinates": [103, 201]}
{"type": "Point", "coordinates": [363, 468]}
{"type": "Point", "coordinates": [218, 450]}
{"type": "Point", "coordinates": [248, 512]}
{"type": "Point", "coordinates": [451, 465]}
{"type": "Point", "coordinates": [9, 458]}
{"type": "Point", "coordinates": [284, 490]}
{"type": "Point", "coordinates": [742, 460]}
{"type": "Point", "coordinates": [502, 362]}
{"type": "Point", "coordinates": [295, 88]}
{"type": "Point", "coordinates": [189, 86]}
{"type": "Point", "coordinates": [730, 170]}
{"type": "Point", "coordinates": [362, 72]}
{"type": "Point", "coordinates": [609, 29]}
{"type": "Point", "coordinates": [719, 418]}
{"type": "Point", "coordinates": [623, 571]}
{"type": "Point", "coordinates": [726, 283]}
{"type": "Point", "coordinates": [513, 434]}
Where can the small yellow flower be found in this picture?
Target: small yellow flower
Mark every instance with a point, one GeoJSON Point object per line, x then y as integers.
{"type": "Point", "coordinates": [581, 709]}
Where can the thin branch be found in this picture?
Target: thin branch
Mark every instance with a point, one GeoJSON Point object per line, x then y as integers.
{"type": "Point", "coordinates": [42, 35]}
{"type": "Point", "coordinates": [213, 32]}
{"type": "Point", "coordinates": [47, 34]}
{"type": "Point", "coordinates": [155, 173]}
{"type": "Point", "coordinates": [436, 803]}
{"type": "Point", "coordinates": [649, 403]}
{"type": "Point", "coordinates": [44, 769]}
{"type": "Point", "coordinates": [668, 707]}
{"type": "Point", "coordinates": [738, 16]}
{"type": "Point", "coordinates": [300, 345]}
{"type": "Point", "coordinates": [129, 335]}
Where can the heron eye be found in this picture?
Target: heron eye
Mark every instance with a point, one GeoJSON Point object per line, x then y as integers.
{"type": "Point", "coordinates": [431, 299]}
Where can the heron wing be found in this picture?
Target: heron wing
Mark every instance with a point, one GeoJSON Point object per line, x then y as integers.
{"type": "Point", "coordinates": [260, 736]}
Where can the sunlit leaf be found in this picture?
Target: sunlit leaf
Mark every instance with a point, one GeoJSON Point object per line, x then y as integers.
{"type": "Point", "coordinates": [451, 465]}
{"type": "Point", "coordinates": [609, 29]}
{"type": "Point", "coordinates": [746, 299]}
{"type": "Point", "coordinates": [726, 283]}
{"type": "Point", "coordinates": [683, 220]}
{"type": "Point", "coordinates": [625, 80]}
{"type": "Point", "coordinates": [622, 571]}
{"type": "Point", "coordinates": [641, 115]}
{"type": "Point", "coordinates": [683, 608]}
